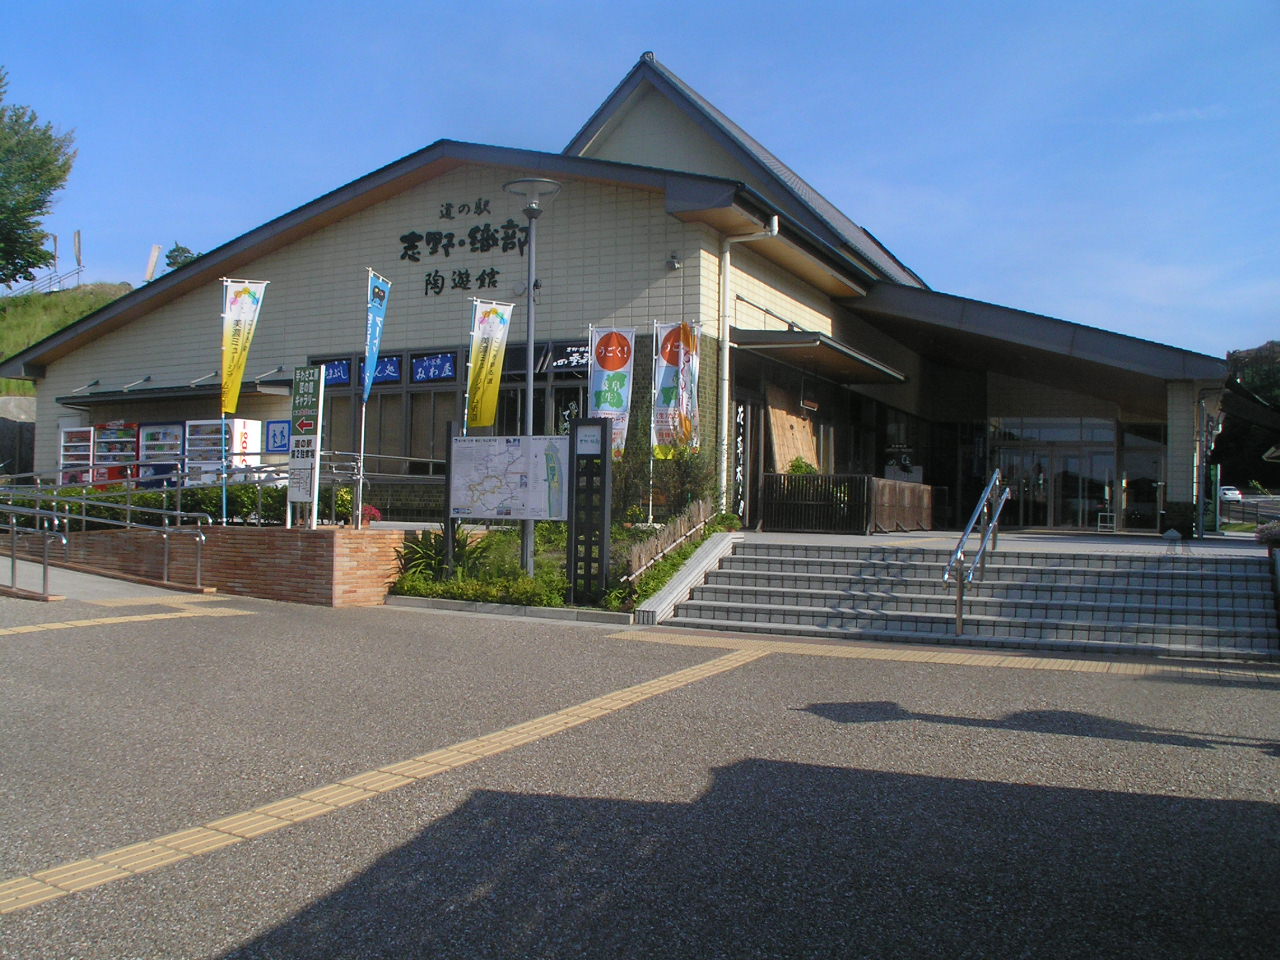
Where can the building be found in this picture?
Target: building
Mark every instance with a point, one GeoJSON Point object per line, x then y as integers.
{"type": "Point", "coordinates": [816, 341]}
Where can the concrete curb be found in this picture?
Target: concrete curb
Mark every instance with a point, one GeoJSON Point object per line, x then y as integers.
{"type": "Point", "coordinates": [576, 614]}
{"type": "Point", "coordinates": [663, 603]}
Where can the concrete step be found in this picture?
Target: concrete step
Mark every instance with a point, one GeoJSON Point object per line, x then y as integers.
{"type": "Point", "coordinates": [1149, 576]}
{"type": "Point", "coordinates": [1224, 648]}
{"type": "Point", "coordinates": [1117, 609]}
{"type": "Point", "coordinates": [1254, 595]}
{"type": "Point", "coordinates": [1159, 563]}
{"type": "Point", "coordinates": [737, 615]}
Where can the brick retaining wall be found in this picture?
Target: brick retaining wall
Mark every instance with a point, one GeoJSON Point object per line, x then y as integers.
{"type": "Point", "coordinates": [331, 567]}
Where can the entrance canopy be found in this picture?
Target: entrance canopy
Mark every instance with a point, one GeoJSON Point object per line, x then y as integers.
{"type": "Point", "coordinates": [817, 353]}
{"type": "Point", "coordinates": [958, 332]}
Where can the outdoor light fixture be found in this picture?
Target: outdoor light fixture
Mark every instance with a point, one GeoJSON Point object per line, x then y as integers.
{"type": "Point", "coordinates": [130, 386]}
{"type": "Point", "coordinates": [260, 377]}
{"type": "Point", "coordinates": [91, 383]}
{"type": "Point", "coordinates": [673, 261]}
{"type": "Point", "coordinates": [207, 376]}
{"type": "Point", "coordinates": [534, 190]}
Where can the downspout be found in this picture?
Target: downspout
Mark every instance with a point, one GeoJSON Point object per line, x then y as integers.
{"type": "Point", "coordinates": [725, 301]}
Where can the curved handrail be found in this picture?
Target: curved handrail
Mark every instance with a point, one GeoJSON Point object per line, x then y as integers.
{"type": "Point", "coordinates": [983, 501]}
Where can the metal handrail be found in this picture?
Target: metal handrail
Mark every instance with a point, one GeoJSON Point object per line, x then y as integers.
{"type": "Point", "coordinates": [990, 517]}
{"type": "Point", "coordinates": [55, 518]}
{"type": "Point", "coordinates": [48, 535]}
{"type": "Point", "coordinates": [978, 511]}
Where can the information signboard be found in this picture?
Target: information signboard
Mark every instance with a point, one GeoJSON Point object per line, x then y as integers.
{"type": "Point", "coordinates": [509, 478]}
{"type": "Point", "coordinates": [304, 442]}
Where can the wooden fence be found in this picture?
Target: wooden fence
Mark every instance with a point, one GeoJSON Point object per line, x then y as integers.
{"type": "Point", "coordinates": [843, 503]}
{"type": "Point", "coordinates": [674, 531]}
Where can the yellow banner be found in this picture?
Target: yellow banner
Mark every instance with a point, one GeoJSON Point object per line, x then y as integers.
{"type": "Point", "coordinates": [241, 300]}
{"type": "Point", "coordinates": [489, 324]}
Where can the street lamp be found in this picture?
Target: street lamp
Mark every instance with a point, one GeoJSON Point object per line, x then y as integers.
{"type": "Point", "coordinates": [534, 190]}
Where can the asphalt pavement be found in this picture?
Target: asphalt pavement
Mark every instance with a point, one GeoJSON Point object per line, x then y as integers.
{"type": "Point", "coordinates": [194, 776]}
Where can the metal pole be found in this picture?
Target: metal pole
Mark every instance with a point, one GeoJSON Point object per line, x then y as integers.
{"type": "Point", "coordinates": [532, 211]}
{"type": "Point", "coordinates": [357, 498]}
{"type": "Point", "coordinates": [960, 597]}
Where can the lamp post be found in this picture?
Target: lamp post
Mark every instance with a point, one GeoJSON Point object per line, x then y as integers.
{"type": "Point", "coordinates": [534, 190]}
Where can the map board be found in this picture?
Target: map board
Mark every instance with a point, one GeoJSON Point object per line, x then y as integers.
{"type": "Point", "coordinates": [509, 478]}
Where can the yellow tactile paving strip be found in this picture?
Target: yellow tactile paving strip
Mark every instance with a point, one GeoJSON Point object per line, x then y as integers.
{"type": "Point", "coordinates": [178, 614]}
{"type": "Point", "coordinates": [956, 657]}
{"type": "Point", "coordinates": [23, 892]}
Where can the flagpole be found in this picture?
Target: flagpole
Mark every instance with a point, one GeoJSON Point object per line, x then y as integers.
{"type": "Point", "coordinates": [653, 405]}
{"type": "Point", "coordinates": [226, 467]}
{"type": "Point", "coordinates": [357, 501]}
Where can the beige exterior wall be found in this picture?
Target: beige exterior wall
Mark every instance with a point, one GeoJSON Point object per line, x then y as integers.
{"type": "Point", "coordinates": [602, 253]}
{"type": "Point", "coordinates": [1185, 420]}
{"type": "Point", "coordinates": [655, 133]}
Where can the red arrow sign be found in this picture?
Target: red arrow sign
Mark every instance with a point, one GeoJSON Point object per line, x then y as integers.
{"type": "Point", "coordinates": [305, 425]}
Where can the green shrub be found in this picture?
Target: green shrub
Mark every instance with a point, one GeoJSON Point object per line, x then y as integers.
{"type": "Point", "coordinates": [1268, 534]}
{"type": "Point", "coordinates": [800, 466]}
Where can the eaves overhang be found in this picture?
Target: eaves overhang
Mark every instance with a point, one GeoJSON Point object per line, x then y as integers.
{"type": "Point", "coordinates": [684, 195]}
{"type": "Point", "coordinates": [890, 305]}
{"type": "Point", "coordinates": [816, 353]}
{"type": "Point", "coordinates": [797, 199]}
{"type": "Point", "coordinates": [100, 398]}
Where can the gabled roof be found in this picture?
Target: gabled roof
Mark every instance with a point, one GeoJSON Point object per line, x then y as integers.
{"type": "Point", "coordinates": [685, 193]}
{"type": "Point", "coordinates": [789, 190]}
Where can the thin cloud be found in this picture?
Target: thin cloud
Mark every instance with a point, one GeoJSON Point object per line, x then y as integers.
{"type": "Point", "coordinates": [1182, 115]}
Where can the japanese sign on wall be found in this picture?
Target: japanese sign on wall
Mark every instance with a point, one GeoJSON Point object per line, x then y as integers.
{"type": "Point", "coordinates": [456, 238]}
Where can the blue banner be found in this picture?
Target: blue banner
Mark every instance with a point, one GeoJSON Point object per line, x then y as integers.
{"type": "Point", "coordinates": [379, 293]}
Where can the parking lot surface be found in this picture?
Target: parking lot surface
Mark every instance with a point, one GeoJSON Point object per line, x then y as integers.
{"type": "Point", "coordinates": [190, 776]}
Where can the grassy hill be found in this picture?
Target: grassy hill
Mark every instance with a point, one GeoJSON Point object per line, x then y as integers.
{"type": "Point", "coordinates": [29, 319]}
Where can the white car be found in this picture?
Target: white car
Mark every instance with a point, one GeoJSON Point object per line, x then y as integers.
{"type": "Point", "coordinates": [1229, 494]}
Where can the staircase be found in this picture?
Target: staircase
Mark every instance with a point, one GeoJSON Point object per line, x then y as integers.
{"type": "Point", "coordinates": [1185, 605]}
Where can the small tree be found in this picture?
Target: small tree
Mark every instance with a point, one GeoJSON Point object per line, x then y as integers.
{"type": "Point", "coordinates": [178, 255]}
{"type": "Point", "coordinates": [34, 164]}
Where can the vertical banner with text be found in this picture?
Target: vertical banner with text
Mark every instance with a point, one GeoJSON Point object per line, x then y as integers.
{"type": "Point", "coordinates": [675, 389]}
{"type": "Point", "coordinates": [241, 301]}
{"type": "Point", "coordinates": [611, 372]}
{"type": "Point", "coordinates": [379, 293]}
{"type": "Point", "coordinates": [304, 439]}
{"type": "Point", "coordinates": [490, 322]}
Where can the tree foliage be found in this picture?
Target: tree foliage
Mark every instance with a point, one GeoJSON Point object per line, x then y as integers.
{"type": "Point", "coordinates": [1240, 446]}
{"type": "Point", "coordinates": [34, 164]}
{"type": "Point", "coordinates": [178, 256]}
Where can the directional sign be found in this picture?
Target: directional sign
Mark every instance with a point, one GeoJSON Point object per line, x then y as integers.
{"type": "Point", "coordinates": [304, 445]}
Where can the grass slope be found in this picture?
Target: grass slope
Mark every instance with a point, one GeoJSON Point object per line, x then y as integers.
{"type": "Point", "coordinates": [29, 319]}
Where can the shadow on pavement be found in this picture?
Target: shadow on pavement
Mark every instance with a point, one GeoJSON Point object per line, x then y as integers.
{"type": "Point", "coordinates": [790, 860]}
{"type": "Point", "coordinates": [1064, 722]}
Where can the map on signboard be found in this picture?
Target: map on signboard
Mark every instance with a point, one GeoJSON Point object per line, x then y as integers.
{"type": "Point", "coordinates": [509, 478]}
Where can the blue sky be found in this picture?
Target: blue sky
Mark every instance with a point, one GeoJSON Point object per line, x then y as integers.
{"type": "Point", "coordinates": [1111, 163]}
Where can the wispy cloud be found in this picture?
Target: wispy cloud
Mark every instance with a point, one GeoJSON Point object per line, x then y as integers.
{"type": "Point", "coordinates": [1182, 115]}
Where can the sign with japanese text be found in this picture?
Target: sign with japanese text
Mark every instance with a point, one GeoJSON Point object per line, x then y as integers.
{"type": "Point", "coordinates": [611, 372]}
{"type": "Point", "coordinates": [304, 442]}
{"type": "Point", "coordinates": [489, 325]}
{"type": "Point", "coordinates": [379, 293]}
{"type": "Point", "coordinates": [675, 389]}
{"type": "Point", "coordinates": [241, 301]}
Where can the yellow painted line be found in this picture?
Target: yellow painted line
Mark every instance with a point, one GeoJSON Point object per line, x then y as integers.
{"type": "Point", "coordinates": [127, 618]}
{"type": "Point", "coordinates": [973, 658]}
{"type": "Point", "coordinates": [21, 893]}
